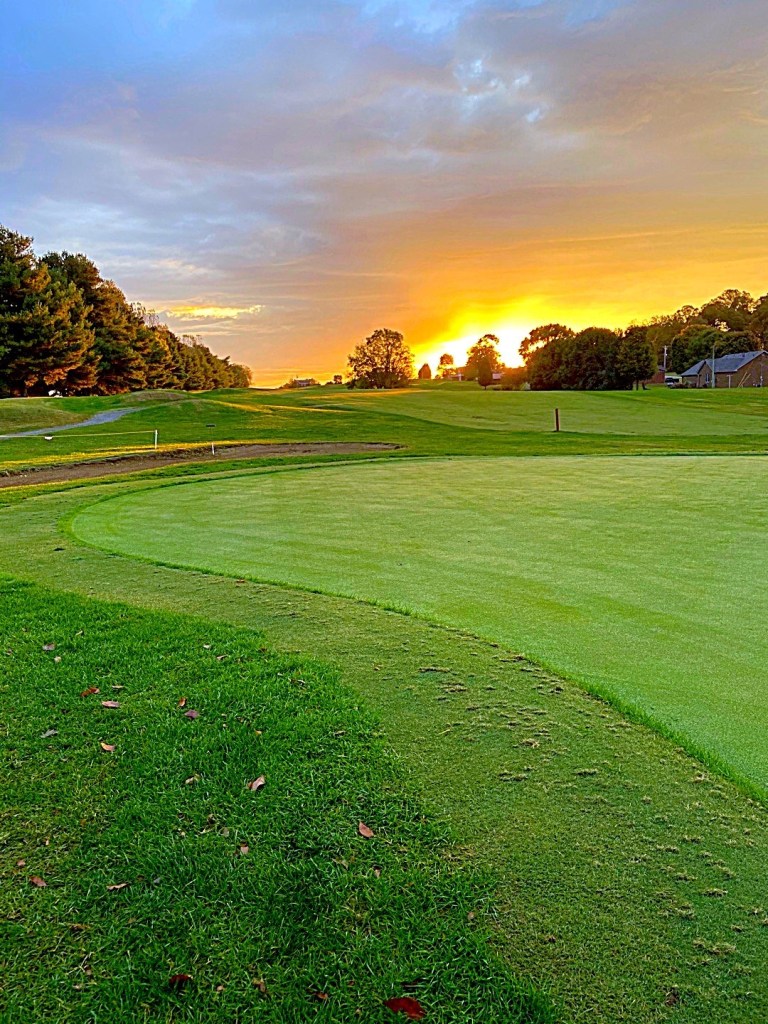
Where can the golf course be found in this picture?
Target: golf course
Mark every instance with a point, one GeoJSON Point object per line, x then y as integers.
{"type": "Point", "coordinates": [481, 709]}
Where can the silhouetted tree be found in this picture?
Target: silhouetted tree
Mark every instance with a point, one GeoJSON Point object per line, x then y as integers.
{"type": "Point", "coordinates": [484, 350]}
{"type": "Point", "coordinates": [445, 365]}
{"type": "Point", "coordinates": [484, 371]}
{"type": "Point", "coordinates": [383, 360]}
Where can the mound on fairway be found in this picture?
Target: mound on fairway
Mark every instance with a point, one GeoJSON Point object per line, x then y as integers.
{"type": "Point", "coordinates": [641, 577]}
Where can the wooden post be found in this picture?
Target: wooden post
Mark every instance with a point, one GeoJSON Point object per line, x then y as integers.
{"type": "Point", "coordinates": [557, 421]}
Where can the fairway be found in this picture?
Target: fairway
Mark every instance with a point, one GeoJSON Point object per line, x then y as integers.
{"type": "Point", "coordinates": [659, 411]}
{"type": "Point", "coordinates": [641, 577]}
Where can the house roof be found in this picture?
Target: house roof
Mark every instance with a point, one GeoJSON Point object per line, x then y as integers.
{"type": "Point", "coordinates": [724, 364]}
{"type": "Point", "coordinates": [695, 370]}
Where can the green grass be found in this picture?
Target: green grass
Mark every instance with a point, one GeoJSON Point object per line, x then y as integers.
{"type": "Point", "coordinates": [242, 890]}
{"type": "Point", "coordinates": [434, 420]}
{"type": "Point", "coordinates": [628, 879]}
{"type": "Point", "coordinates": [641, 578]}
{"type": "Point", "coordinates": [658, 411]}
{"type": "Point", "coordinates": [610, 866]}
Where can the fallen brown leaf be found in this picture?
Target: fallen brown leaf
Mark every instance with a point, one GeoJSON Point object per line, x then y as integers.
{"type": "Point", "coordinates": [110, 703]}
{"type": "Point", "coordinates": [57, 659]}
{"type": "Point", "coordinates": [364, 831]}
{"type": "Point", "coordinates": [191, 713]}
{"type": "Point", "coordinates": [37, 881]}
{"type": "Point", "coordinates": [109, 747]}
{"type": "Point", "coordinates": [89, 691]}
{"type": "Point", "coordinates": [191, 780]}
{"type": "Point", "coordinates": [257, 784]}
{"type": "Point", "coordinates": [49, 647]}
{"type": "Point", "coordinates": [178, 981]}
{"type": "Point", "coordinates": [221, 657]}
{"type": "Point", "coordinates": [182, 702]}
{"type": "Point", "coordinates": [412, 1008]}
{"type": "Point", "coordinates": [322, 996]}
{"type": "Point", "coordinates": [117, 887]}
{"type": "Point", "coordinates": [50, 732]}
{"type": "Point", "coordinates": [206, 647]}
{"type": "Point", "coordinates": [377, 872]}
{"type": "Point", "coordinates": [244, 850]}
{"type": "Point", "coordinates": [21, 863]}
{"type": "Point", "coordinates": [261, 985]}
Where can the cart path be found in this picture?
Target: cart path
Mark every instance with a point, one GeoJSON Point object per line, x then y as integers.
{"type": "Point", "coordinates": [108, 416]}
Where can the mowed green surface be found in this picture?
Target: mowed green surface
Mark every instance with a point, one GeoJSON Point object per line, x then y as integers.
{"type": "Point", "coordinates": [642, 577]}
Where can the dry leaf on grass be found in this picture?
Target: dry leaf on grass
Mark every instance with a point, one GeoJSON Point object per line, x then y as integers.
{"type": "Point", "coordinates": [365, 832]}
{"type": "Point", "coordinates": [50, 732]}
{"type": "Point", "coordinates": [49, 647]}
{"type": "Point", "coordinates": [257, 784]}
{"type": "Point", "coordinates": [117, 887]}
{"type": "Point", "coordinates": [182, 702]}
{"type": "Point", "coordinates": [37, 881]}
{"type": "Point", "coordinates": [178, 981]}
{"type": "Point", "coordinates": [110, 703]}
{"type": "Point", "coordinates": [412, 1008]}
{"type": "Point", "coordinates": [109, 747]}
{"type": "Point", "coordinates": [91, 689]}
{"type": "Point", "coordinates": [191, 713]}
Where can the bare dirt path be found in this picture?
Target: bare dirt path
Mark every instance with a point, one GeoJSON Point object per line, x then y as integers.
{"type": "Point", "coordinates": [134, 463]}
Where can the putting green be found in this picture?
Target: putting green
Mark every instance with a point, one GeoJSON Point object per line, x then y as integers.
{"type": "Point", "coordinates": [642, 577]}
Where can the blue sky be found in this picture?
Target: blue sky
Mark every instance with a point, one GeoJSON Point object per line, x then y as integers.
{"type": "Point", "coordinates": [286, 178]}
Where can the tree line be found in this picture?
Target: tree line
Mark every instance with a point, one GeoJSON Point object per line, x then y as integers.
{"type": "Point", "coordinates": [64, 328]}
{"type": "Point", "coordinates": [598, 359]}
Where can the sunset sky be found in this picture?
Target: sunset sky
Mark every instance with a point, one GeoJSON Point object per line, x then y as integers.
{"type": "Point", "coordinates": [285, 177]}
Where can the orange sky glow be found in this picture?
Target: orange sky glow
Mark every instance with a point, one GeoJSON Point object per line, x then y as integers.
{"type": "Point", "coordinates": [284, 179]}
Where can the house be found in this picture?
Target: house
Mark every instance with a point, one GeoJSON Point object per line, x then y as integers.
{"type": "Point", "coordinates": [739, 370]}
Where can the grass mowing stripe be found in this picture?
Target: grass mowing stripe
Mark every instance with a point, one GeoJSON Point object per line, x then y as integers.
{"type": "Point", "coordinates": [268, 898]}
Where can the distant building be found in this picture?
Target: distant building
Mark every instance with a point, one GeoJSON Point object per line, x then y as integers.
{"type": "Point", "coordinates": [739, 370]}
{"type": "Point", "coordinates": [301, 382]}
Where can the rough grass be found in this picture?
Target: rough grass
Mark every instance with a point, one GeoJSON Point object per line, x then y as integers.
{"type": "Point", "coordinates": [270, 900]}
{"type": "Point", "coordinates": [642, 578]}
{"type": "Point", "coordinates": [629, 878]}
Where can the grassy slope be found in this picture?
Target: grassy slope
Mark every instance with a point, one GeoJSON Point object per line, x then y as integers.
{"type": "Point", "coordinates": [227, 885]}
{"type": "Point", "coordinates": [642, 578]}
{"type": "Point", "coordinates": [658, 411]}
{"type": "Point", "coordinates": [628, 877]}
{"type": "Point", "coordinates": [440, 420]}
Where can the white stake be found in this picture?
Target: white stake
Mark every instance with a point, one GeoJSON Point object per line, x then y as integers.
{"type": "Point", "coordinates": [155, 440]}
